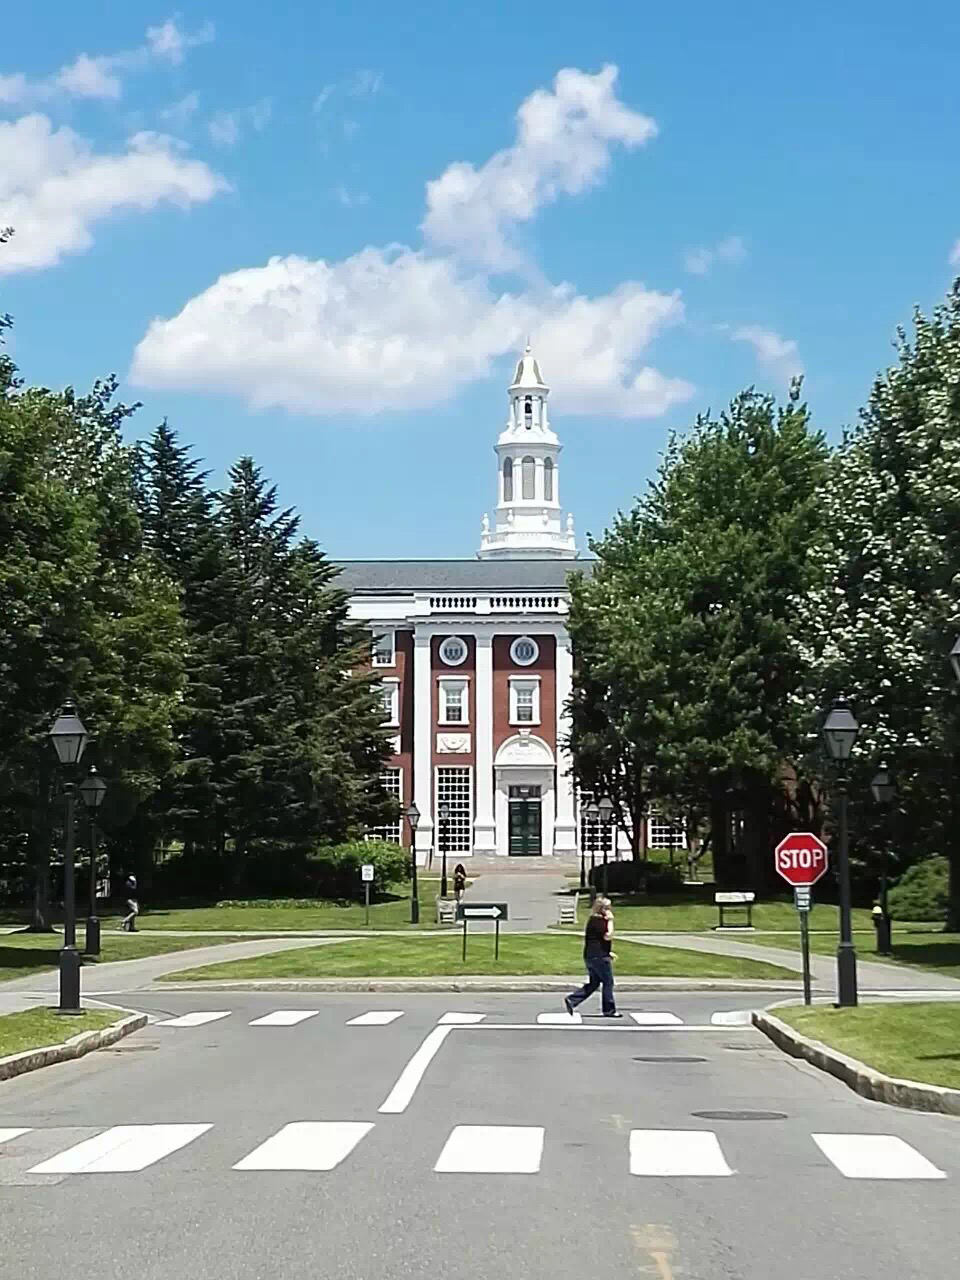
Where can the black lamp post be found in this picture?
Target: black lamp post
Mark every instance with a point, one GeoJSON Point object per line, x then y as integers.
{"type": "Point", "coordinates": [583, 855]}
{"type": "Point", "coordinates": [69, 737]}
{"type": "Point", "coordinates": [412, 814]}
{"type": "Point", "coordinates": [92, 790]}
{"type": "Point", "coordinates": [839, 733]}
{"type": "Point", "coordinates": [955, 659]}
{"type": "Point", "coordinates": [884, 792]}
{"type": "Point", "coordinates": [606, 817]}
{"type": "Point", "coordinates": [444, 814]}
{"type": "Point", "coordinates": [592, 811]}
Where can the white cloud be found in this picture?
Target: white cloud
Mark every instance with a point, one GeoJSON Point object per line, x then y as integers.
{"type": "Point", "coordinates": [563, 144]}
{"type": "Point", "coordinates": [955, 255]}
{"type": "Point", "coordinates": [226, 128]}
{"type": "Point", "coordinates": [775, 353]}
{"type": "Point", "coordinates": [365, 84]}
{"type": "Point", "coordinates": [397, 328]}
{"type": "Point", "coordinates": [699, 261]}
{"type": "Point", "coordinates": [54, 187]}
{"type": "Point", "coordinates": [349, 199]}
{"type": "Point", "coordinates": [323, 97]}
{"type": "Point", "coordinates": [181, 111]}
{"type": "Point", "coordinates": [97, 77]}
{"type": "Point", "coordinates": [393, 328]}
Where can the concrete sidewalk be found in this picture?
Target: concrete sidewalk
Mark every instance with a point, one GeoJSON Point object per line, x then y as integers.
{"type": "Point", "coordinates": [530, 895]}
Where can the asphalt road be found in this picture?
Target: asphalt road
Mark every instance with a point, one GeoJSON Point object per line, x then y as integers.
{"type": "Point", "coordinates": [567, 1112]}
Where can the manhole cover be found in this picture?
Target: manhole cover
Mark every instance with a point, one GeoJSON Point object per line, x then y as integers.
{"type": "Point", "coordinates": [740, 1115]}
{"type": "Point", "coordinates": [669, 1058]}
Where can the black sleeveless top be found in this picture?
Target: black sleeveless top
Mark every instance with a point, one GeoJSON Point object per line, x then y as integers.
{"type": "Point", "coordinates": [595, 941]}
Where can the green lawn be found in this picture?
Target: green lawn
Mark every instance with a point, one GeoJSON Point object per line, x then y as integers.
{"type": "Point", "coordinates": [37, 1028]}
{"type": "Point", "coordinates": [677, 915]}
{"type": "Point", "coordinates": [924, 948]}
{"type": "Point", "coordinates": [910, 1041]}
{"type": "Point", "coordinates": [22, 954]}
{"type": "Point", "coordinates": [522, 955]}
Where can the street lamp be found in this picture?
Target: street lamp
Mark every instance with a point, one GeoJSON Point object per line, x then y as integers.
{"type": "Point", "coordinates": [444, 814]}
{"type": "Point", "coordinates": [955, 658]}
{"type": "Point", "coordinates": [412, 815]}
{"type": "Point", "coordinates": [592, 811]}
{"type": "Point", "coordinates": [92, 790]}
{"type": "Point", "coordinates": [606, 817]}
{"type": "Point", "coordinates": [884, 792]}
{"type": "Point", "coordinates": [69, 737]}
{"type": "Point", "coordinates": [839, 733]}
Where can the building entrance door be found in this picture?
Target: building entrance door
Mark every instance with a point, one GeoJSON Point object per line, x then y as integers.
{"type": "Point", "coordinates": [525, 818]}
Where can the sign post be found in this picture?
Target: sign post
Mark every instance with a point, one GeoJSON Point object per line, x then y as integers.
{"type": "Point", "coordinates": [495, 911]}
{"type": "Point", "coordinates": [366, 875]}
{"type": "Point", "coordinates": [801, 858]}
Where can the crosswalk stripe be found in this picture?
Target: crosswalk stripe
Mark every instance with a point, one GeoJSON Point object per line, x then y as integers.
{"type": "Point", "coordinates": [8, 1135]}
{"type": "Point", "coordinates": [127, 1148]}
{"type": "Point", "coordinates": [376, 1018]}
{"type": "Point", "coordinates": [676, 1153]}
{"type": "Point", "coordinates": [492, 1148]}
{"type": "Point", "coordinates": [461, 1019]}
{"type": "Point", "coordinates": [875, 1155]}
{"type": "Point", "coordinates": [194, 1019]}
{"type": "Point", "coordinates": [284, 1018]}
{"type": "Point", "coordinates": [307, 1144]}
{"type": "Point", "coordinates": [656, 1019]}
{"type": "Point", "coordinates": [558, 1019]}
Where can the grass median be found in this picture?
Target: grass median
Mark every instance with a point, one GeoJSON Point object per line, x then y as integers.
{"type": "Point", "coordinates": [669, 914]}
{"type": "Point", "coordinates": [38, 1028]}
{"type": "Point", "coordinates": [917, 947]}
{"type": "Point", "coordinates": [23, 954]}
{"type": "Point", "coordinates": [530, 955]}
{"type": "Point", "coordinates": [909, 1041]}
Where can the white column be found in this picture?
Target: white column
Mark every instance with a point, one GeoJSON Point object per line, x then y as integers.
{"type": "Point", "coordinates": [422, 735]}
{"type": "Point", "coordinates": [565, 831]}
{"type": "Point", "coordinates": [484, 826]}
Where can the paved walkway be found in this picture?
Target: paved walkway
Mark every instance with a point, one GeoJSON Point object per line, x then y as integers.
{"type": "Point", "coordinates": [531, 894]}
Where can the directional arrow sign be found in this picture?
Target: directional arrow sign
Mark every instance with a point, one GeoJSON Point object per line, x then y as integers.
{"type": "Point", "coordinates": [482, 911]}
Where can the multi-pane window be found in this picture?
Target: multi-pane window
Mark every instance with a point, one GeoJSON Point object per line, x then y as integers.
{"type": "Point", "coordinates": [392, 782]}
{"type": "Point", "coordinates": [528, 472]}
{"type": "Point", "coordinates": [663, 834]}
{"type": "Point", "coordinates": [384, 654]}
{"type": "Point", "coordinates": [390, 695]}
{"type": "Point", "coordinates": [455, 791]}
{"type": "Point", "coordinates": [524, 700]}
{"type": "Point", "coordinates": [453, 701]}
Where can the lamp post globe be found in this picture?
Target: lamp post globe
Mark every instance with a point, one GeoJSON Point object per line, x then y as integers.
{"type": "Point", "coordinates": [955, 658]}
{"type": "Point", "coordinates": [839, 733]}
{"type": "Point", "coordinates": [69, 737]}
{"type": "Point", "coordinates": [412, 815]}
{"type": "Point", "coordinates": [883, 787]}
{"type": "Point", "coordinates": [92, 791]}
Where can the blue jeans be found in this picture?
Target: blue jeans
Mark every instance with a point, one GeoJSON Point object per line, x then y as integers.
{"type": "Point", "coordinates": [600, 974]}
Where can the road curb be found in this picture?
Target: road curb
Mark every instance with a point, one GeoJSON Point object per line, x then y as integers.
{"type": "Point", "coordinates": [18, 1064]}
{"type": "Point", "coordinates": [864, 1080]}
{"type": "Point", "coordinates": [478, 984]}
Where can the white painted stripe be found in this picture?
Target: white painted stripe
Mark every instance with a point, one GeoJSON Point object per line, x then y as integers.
{"type": "Point", "coordinates": [657, 1019]}
{"type": "Point", "coordinates": [734, 1018]}
{"type": "Point", "coordinates": [875, 1155]}
{"type": "Point", "coordinates": [492, 1148]}
{"type": "Point", "coordinates": [676, 1153]}
{"type": "Point", "coordinates": [8, 1135]}
{"type": "Point", "coordinates": [126, 1148]}
{"type": "Point", "coordinates": [284, 1018]}
{"type": "Point", "coordinates": [461, 1019]}
{"type": "Point", "coordinates": [194, 1019]}
{"type": "Point", "coordinates": [306, 1144]}
{"type": "Point", "coordinates": [559, 1019]}
{"type": "Point", "coordinates": [411, 1075]}
{"type": "Point", "coordinates": [376, 1018]}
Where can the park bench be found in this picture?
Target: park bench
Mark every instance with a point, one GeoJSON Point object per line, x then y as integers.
{"type": "Point", "coordinates": [568, 910]}
{"type": "Point", "coordinates": [446, 911]}
{"type": "Point", "coordinates": [735, 901]}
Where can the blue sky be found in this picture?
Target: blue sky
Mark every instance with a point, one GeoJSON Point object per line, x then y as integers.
{"type": "Point", "coordinates": [318, 233]}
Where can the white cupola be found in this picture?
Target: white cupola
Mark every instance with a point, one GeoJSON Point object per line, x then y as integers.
{"type": "Point", "coordinates": [528, 523]}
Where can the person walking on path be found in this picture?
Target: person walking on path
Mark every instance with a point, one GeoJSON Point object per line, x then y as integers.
{"type": "Point", "coordinates": [459, 880]}
{"type": "Point", "coordinates": [129, 921]}
{"type": "Point", "coordinates": [598, 957]}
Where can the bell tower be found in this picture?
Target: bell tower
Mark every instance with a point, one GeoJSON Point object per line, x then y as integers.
{"type": "Point", "coordinates": [528, 523]}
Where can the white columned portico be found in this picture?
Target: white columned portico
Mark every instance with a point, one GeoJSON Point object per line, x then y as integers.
{"type": "Point", "coordinates": [422, 755]}
{"type": "Point", "coordinates": [484, 826]}
{"type": "Point", "coordinates": [565, 829]}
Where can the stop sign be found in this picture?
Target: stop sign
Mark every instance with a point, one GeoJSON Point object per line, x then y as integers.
{"type": "Point", "coordinates": [801, 858]}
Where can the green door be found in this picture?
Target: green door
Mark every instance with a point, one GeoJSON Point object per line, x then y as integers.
{"type": "Point", "coordinates": [525, 822]}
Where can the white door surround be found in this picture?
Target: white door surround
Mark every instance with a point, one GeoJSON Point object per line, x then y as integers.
{"type": "Point", "coordinates": [525, 760]}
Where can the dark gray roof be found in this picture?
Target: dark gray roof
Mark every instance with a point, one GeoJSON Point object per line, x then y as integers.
{"type": "Point", "coordinates": [456, 575]}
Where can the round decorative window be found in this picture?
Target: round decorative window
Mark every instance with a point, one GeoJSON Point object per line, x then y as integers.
{"type": "Point", "coordinates": [453, 651]}
{"type": "Point", "coordinates": [524, 651]}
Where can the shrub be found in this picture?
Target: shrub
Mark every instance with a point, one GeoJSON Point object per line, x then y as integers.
{"type": "Point", "coordinates": [651, 877]}
{"type": "Point", "coordinates": [334, 870]}
{"type": "Point", "coordinates": [921, 893]}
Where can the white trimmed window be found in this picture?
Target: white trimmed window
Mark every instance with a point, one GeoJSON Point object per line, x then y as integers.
{"type": "Point", "coordinates": [453, 700]}
{"type": "Point", "coordinates": [390, 693]}
{"type": "Point", "coordinates": [663, 834]}
{"type": "Point", "coordinates": [454, 789]}
{"type": "Point", "coordinates": [453, 651]}
{"type": "Point", "coordinates": [384, 649]}
{"type": "Point", "coordinates": [524, 699]}
{"type": "Point", "coordinates": [524, 651]}
{"type": "Point", "coordinates": [392, 782]}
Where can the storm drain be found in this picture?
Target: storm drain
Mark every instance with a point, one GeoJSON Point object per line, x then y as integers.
{"type": "Point", "coordinates": [740, 1115]}
{"type": "Point", "coordinates": [669, 1058]}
